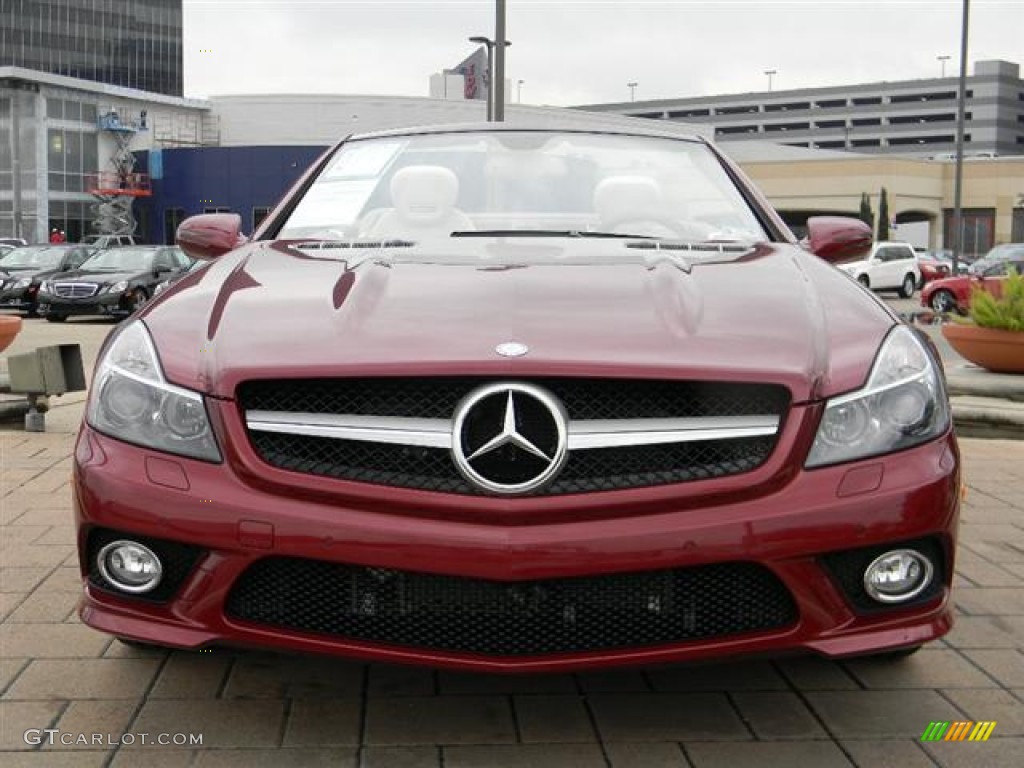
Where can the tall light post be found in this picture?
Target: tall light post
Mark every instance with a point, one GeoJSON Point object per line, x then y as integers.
{"type": "Point", "coordinates": [942, 60]}
{"type": "Point", "coordinates": [632, 90]}
{"type": "Point", "coordinates": [498, 79]}
{"type": "Point", "coordinates": [479, 39]}
{"type": "Point", "coordinates": [960, 115]}
{"type": "Point", "coordinates": [519, 91]}
{"type": "Point", "coordinates": [771, 73]}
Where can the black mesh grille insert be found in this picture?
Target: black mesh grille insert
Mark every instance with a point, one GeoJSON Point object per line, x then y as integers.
{"type": "Point", "coordinates": [847, 569]}
{"type": "Point", "coordinates": [177, 560]}
{"type": "Point", "coordinates": [436, 397]}
{"type": "Point", "coordinates": [432, 469]}
{"type": "Point", "coordinates": [629, 610]}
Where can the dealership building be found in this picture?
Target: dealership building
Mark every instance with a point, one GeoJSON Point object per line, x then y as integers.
{"type": "Point", "coordinates": [92, 119]}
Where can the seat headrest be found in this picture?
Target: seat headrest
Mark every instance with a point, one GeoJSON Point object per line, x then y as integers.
{"type": "Point", "coordinates": [627, 197]}
{"type": "Point", "coordinates": [424, 193]}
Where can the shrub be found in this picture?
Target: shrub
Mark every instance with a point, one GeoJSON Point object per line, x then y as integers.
{"type": "Point", "coordinates": [1005, 313]}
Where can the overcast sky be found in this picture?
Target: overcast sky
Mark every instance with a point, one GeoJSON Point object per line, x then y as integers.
{"type": "Point", "coordinates": [585, 51]}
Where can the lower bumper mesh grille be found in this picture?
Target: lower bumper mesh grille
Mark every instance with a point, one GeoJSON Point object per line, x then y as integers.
{"type": "Point", "coordinates": [449, 613]}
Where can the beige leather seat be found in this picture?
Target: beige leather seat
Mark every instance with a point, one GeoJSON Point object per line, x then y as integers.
{"type": "Point", "coordinates": [424, 206]}
{"type": "Point", "coordinates": [632, 205]}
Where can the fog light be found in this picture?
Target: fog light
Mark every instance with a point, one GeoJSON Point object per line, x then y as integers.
{"type": "Point", "coordinates": [130, 566]}
{"type": "Point", "coordinates": [898, 576]}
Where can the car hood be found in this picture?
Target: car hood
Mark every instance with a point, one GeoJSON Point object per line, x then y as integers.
{"type": "Point", "coordinates": [103, 278]}
{"type": "Point", "coordinates": [7, 272]}
{"type": "Point", "coordinates": [772, 313]}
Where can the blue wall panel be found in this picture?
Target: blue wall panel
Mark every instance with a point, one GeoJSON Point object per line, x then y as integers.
{"type": "Point", "coordinates": [237, 178]}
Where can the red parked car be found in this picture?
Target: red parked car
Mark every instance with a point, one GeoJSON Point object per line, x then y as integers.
{"type": "Point", "coordinates": [519, 400]}
{"type": "Point", "coordinates": [953, 294]}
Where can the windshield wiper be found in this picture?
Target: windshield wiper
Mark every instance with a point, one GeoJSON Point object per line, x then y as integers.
{"type": "Point", "coordinates": [548, 233]}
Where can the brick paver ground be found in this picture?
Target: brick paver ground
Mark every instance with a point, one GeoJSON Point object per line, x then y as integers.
{"type": "Point", "coordinates": [261, 709]}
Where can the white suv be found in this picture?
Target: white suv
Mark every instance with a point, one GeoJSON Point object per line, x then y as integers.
{"type": "Point", "coordinates": [890, 267]}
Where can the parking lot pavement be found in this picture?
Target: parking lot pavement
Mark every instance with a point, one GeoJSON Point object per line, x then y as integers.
{"type": "Point", "coordinates": [59, 680]}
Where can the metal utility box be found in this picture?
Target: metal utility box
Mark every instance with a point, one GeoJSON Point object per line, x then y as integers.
{"type": "Point", "coordinates": [48, 370]}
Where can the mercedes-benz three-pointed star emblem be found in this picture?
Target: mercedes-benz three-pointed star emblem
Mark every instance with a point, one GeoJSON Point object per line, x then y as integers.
{"type": "Point", "coordinates": [509, 438]}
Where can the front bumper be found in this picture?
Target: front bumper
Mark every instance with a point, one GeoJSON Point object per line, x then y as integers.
{"type": "Point", "coordinates": [111, 304]}
{"type": "Point", "coordinates": [18, 298]}
{"type": "Point", "coordinates": [236, 523]}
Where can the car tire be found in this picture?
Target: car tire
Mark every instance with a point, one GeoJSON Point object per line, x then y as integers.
{"type": "Point", "coordinates": [865, 281]}
{"type": "Point", "coordinates": [906, 290]}
{"type": "Point", "coordinates": [942, 302]}
{"type": "Point", "coordinates": [139, 297]}
{"type": "Point", "coordinates": [56, 318]}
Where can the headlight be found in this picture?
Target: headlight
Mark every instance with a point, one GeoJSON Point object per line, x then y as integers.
{"type": "Point", "coordinates": [903, 404]}
{"type": "Point", "coordinates": [45, 287]}
{"type": "Point", "coordinates": [24, 282]}
{"type": "Point", "coordinates": [131, 400]}
{"type": "Point", "coordinates": [117, 287]}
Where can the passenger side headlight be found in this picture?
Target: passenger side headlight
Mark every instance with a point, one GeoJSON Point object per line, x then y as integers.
{"type": "Point", "coordinates": [117, 287]}
{"type": "Point", "coordinates": [131, 401]}
{"type": "Point", "coordinates": [903, 404]}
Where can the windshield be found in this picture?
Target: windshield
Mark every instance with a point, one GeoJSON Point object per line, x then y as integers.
{"type": "Point", "coordinates": [1005, 251]}
{"type": "Point", "coordinates": [32, 257]}
{"type": "Point", "coordinates": [121, 260]}
{"type": "Point", "coordinates": [523, 183]}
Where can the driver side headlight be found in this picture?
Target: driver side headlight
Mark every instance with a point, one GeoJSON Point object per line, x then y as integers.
{"type": "Point", "coordinates": [902, 405]}
{"type": "Point", "coordinates": [117, 287]}
{"type": "Point", "coordinates": [132, 401]}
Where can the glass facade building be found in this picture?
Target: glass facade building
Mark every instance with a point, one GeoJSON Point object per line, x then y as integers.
{"type": "Point", "coordinates": [130, 43]}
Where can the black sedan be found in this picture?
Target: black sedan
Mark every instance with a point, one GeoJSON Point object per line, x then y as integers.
{"type": "Point", "coordinates": [114, 282]}
{"type": "Point", "coordinates": [23, 269]}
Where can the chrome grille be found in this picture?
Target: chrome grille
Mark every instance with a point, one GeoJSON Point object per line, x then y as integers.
{"type": "Point", "coordinates": [320, 427]}
{"type": "Point", "coordinates": [75, 290]}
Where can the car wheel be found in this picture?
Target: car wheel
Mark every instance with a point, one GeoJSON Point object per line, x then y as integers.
{"type": "Point", "coordinates": [863, 280]}
{"type": "Point", "coordinates": [56, 318]}
{"type": "Point", "coordinates": [139, 297]}
{"type": "Point", "coordinates": [942, 302]}
{"type": "Point", "coordinates": [907, 289]}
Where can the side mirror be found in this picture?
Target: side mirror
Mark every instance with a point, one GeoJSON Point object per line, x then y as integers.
{"type": "Point", "coordinates": [838, 239]}
{"type": "Point", "coordinates": [210, 235]}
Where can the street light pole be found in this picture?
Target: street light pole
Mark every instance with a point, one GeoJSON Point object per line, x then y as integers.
{"type": "Point", "coordinates": [498, 78]}
{"type": "Point", "coordinates": [479, 39]}
{"type": "Point", "coordinates": [943, 60]}
{"type": "Point", "coordinates": [632, 90]}
{"type": "Point", "coordinates": [771, 73]}
{"type": "Point", "coordinates": [961, 110]}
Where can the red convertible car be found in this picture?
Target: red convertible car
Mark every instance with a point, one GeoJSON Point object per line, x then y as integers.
{"type": "Point", "coordinates": [506, 399]}
{"type": "Point", "coordinates": [953, 294]}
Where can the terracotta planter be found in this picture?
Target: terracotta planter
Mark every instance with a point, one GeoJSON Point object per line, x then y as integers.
{"type": "Point", "coordinates": [9, 328]}
{"type": "Point", "coordinates": [994, 350]}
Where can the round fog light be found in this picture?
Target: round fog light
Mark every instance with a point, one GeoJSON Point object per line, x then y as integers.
{"type": "Point", "coordinates": [898, 576]}
{"type": "Point", "coordinates": [130, 566]}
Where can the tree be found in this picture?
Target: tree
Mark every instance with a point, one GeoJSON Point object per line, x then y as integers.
{"type": "Point", "coordinates": [866, 214]}
{"type": "Point", "coordinates": [883, 216]}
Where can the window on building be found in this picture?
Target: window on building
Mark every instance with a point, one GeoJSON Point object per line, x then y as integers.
{"type": "Point", "coordinates": [830, 124]}
{"type": "Point", "coordinates": [830, 103]}
{"type": "Point", "coordinates": [831, 145]}
{"type": "Point", "coordinates": [976, 230]}
{"type": "Point", "coordinates": [725, 130]}
{"type": "Point", "coordinates": [259, 213]}
{"type": "Point", "coordinates": [744, 110]}
{"type": "Point", "coordinates": [866, 143]}
{"type": "Point", "coordinates": [787, 107]}
{"type": "Point", "coordinates": [216, 209]}
{"type": "Point", "coordinates": [787, 127]}
{"type": "Point", "coordinates": [690, 113]}
{"type": "Point", "coordinates": [863, 101]}
{"type": "Point", "coordinates": [935, 96]}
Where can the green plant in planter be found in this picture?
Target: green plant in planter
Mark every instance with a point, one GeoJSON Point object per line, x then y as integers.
{"type": "Point", "coordinates": [1005, 313]}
